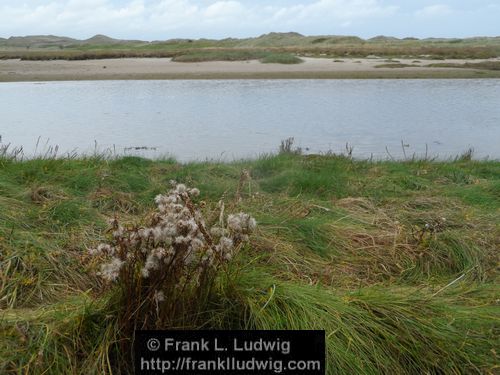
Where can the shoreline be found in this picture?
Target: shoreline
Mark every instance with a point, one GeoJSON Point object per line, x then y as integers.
{"type": "Point", "coordinates": [165, 69]}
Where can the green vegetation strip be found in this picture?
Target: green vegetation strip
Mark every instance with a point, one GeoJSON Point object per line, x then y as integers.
{"type": "Point", "coordinates": [49, 47]}
{"type": "Point", "coordinates": [396, 65]}
{"type": "Point", "coordinates": [395, 260]}
{"type": "Point", "coordinates": [238, 55]}
{"type": "Point", "coordinates": [484, 65]}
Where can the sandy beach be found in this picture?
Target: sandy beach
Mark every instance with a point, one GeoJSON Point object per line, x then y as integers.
{"type": "Point", "coordinates": [165, 68]}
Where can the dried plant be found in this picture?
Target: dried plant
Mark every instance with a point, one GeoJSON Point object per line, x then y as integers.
{"type": "Point", "coordinates": [166, 270]}
{"type": "Point", "coordinates": [286, 147]}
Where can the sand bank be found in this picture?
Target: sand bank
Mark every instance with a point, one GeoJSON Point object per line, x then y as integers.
{"type": "Point", "coordinates": [165, 68]}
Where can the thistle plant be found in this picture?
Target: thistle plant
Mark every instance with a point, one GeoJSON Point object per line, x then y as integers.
{"type": "Point", "coordinates": [166, 269]}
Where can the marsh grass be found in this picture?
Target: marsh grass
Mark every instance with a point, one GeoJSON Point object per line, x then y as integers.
{"type": "Point", "coordinates": [357, 248]}
{"type": "Point", "coordinates": [281, 58]}
{"type": "Point", "coordinates": [482, 65]}
{"type": "Point", "coordinates": [220, 55]}
{"type": "Point", "coordinates": [263, 56]}
{"type": "Point", "coordinates": [395, 65]}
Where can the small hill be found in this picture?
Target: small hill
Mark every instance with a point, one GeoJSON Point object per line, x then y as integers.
{"type": "Point", "coordinates": [100, 39]}
{"type": "Point", "coordinates": [480, 47]}
{"type": "Point", "coordinates": [274, 40]}
{"type": "Point", "coordinates": [290, 34]}
{"type": "Point", "coordinates": [436, 40]}
{"type": "Point", "coordinates": [335, 39]}
{"type": "Point", "coordinates": [104, 39]}
{"type": "Point", "coordinates": [384, 39]}
{"type": "Point", "coordinates": [38, 41]}
{"type": "Point", "coordinates": [172, 41]}
{"type": "Point", "coordinates": [53, 41]}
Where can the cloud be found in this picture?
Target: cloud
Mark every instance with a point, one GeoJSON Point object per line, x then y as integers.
{"type": "Point", "coordinates": [436, 10]}
{"type": "Point", "coordinates": [224, 9]}
{"type": "Point", "coordinates": [333, 10]}
{"type": "Point", "coordinates": [185, 18]}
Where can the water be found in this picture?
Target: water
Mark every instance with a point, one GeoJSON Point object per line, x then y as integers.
{"type": "Point", "coordinates": [231, 119]}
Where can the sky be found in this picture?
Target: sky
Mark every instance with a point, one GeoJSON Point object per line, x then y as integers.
{"type": "Point", "coordinates": [166, 19]}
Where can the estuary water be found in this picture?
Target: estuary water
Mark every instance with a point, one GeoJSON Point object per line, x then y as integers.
{"type": "Point", "coordinates": [233, 119]}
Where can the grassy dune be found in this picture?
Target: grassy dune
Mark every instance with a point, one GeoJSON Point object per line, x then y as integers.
{"type": "Point", "coordinates": [397, 261]}
{"type": "Point", "coordinates": [98, 47]}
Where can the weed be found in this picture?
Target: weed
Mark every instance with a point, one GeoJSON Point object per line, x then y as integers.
{"type": "Point", "coordinates": [166, 270]}
{"type": "Point", "coordinates": [286, 147]}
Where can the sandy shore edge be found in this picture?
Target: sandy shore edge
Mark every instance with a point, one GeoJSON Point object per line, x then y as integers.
{"type": "Point", "coordinates": [163, 68]}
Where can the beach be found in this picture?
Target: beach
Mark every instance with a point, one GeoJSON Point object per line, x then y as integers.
{"type": "Point", "coordinates": [15, 70]}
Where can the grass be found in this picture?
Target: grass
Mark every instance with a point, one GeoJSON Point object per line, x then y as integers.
{"type": "Point", "coordinates": [357, 248]}
{"type": "Point", "coordinates": [288, 43]}
{"type": "Point", "coordinates": [395, 65]}
{"type": "Point", "coordinates": [181, 55]}
{"type": "Point", "coordinates": [239, 55]}
{"type": "Point", "coordinates": [220, 55]}
{"type": "Point", "coordinates": [281, 58]}
{"type": "Point", "coordinates": [484, 65]}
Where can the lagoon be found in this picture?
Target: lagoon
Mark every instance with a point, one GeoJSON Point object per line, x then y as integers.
{"type": "Point", "coordinates": [233, 119]}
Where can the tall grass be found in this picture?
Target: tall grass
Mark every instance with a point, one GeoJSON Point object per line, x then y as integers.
{"type": "Point", "coordinates": [396, 261]}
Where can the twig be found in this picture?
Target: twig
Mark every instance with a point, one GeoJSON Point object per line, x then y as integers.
{"type": "Point", "coordinates": [321, 207]}
{"type": "Point", "coordinates": [388, 153]}
{"type": "Point", "coordinates": [403, 147]}
{"type": "Point", "coordinates": [273, 289]}
{"type": "Point", "coordinates": [453, 282]}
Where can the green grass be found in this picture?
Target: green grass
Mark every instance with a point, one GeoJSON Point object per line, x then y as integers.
{"type": "Point", "coordinates": [395, 65]}
{"type": "Point", "coordinates": [286, 43]}
{"type": "Point", "coordinates": [483, 65]}
{"type": "Point", "coordinates": [281, 58]}
{"type": "Point", "coordinates": [238, 55]}
{"type": "Point", "coordinates": [357, 248]}
{"type": "Point", "coordinates": [220, 55]}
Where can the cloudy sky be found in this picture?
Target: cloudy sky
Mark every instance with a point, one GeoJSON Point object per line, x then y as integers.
{"type": "Point", "coordinates": [164, 19]}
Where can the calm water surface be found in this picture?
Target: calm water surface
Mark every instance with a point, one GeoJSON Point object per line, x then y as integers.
{"type": "Point", "coordinates": [228, 119]}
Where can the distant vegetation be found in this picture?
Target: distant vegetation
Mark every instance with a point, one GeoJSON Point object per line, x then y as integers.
{"type": "Point", "coordinates": [238, 55]}
{"type": "Point", "coordinates": [485, 65]}
{"type": "Point", "coordinates": [220, 55]}
{"type": "Point", "coordinates": [395, 65]}
{"type": "Point", "coordinates": [100, 46]}
{"type": "Point", "coordinates": [281, 58]}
